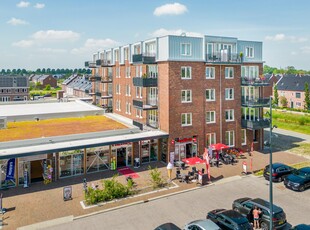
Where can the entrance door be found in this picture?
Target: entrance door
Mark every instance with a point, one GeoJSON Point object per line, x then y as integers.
{"type": "Point", "coordinates": [292, 104]}
{"type": "Point", "coordinates": [121, 157]}
{"type": "Point", "coordinates": [189, 151]}
{"type": "Point", "coordinates": [36, 171]}
{"type": "Point", "coordinates": [129, 156]}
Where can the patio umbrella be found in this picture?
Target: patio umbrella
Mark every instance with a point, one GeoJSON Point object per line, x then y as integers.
{"type": "Point", "coordinates": [219, 146]}
{"type": "Point", "coordinates": [193, 160]}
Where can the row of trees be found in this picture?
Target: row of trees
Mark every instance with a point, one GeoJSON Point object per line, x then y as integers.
{"type": "Point", "coordinates": [287, 70]}
{"type": "Point", "coordinates": [45, 71]}
{"type": "Point", "coordinates": [283, 100]}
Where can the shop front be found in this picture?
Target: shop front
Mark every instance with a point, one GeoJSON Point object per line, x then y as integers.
{"type": "Point", "coordinates": [149, 151]}
{"type": "Point", "coordinates": [71, 163]}
{"type": "Point", "coordinates": [121, 155]}
{"type": "Point", "coordinates": [97, 159]}
{"type": "Point", "coordinates": [185, 148]}
{"type": "Point", "coordinates": [7, 179]}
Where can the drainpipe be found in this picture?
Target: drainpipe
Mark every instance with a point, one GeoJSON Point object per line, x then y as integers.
{"type": "Point", "coordinates": [221, 104]}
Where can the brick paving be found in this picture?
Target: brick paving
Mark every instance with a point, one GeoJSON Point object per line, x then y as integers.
{"type": "Point", "coordinates": [41, 202]}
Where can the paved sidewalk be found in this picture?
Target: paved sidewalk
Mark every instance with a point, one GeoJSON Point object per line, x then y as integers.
{"type": "Point", "coordinates": [39, 202]}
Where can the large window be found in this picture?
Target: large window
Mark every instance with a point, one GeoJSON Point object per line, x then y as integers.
{"type": "Point", "coordinates": [186, 96]}
{"type": "Point", "coordinates": [229, 94]}
{"type": "Point", "coordinates": [186, 72]}
{"type": "Point", "coordinates": [139, 113]}
{"type": "Point", "coordinates": [71, 163]}
{"type": "Point", "coordinates": [298, 95]}
{"type": "Point", "coordinates": [211, 138]}
{"type": "Point", "coordinates": [249, 52]}
{"type": "Point", "coordinates": [138, 92]}
{"type": "Point", "coordinates": [243, 136]}
{"type": "Point", "coordinates": [186, 49]}
{"type": "Point", "coordinates": [229, 114]}
{"type": "Point", "coordinates": [128, 91]}
{"type": "Point", "coordinates": [128, 72]}
{"type": "Point", "coordinates": [97, 159]}
{"type": "Point", "coordinates": [210, 95]}
{"type": "Point", "coordinates": [186, 119]}
{"type": "Point", "coordinates": [229, 72]}
{"type": "Point", "coordinates": [118, 105]}
{"type": "Point", "coordinates": [250, 72]}
{"type": "Point", "coordinates": [118, 89]}
{"type": "Point", "coordinates": [128, 108]}
{"type": "Point", "coordinates": [210, 117]}
{"type": "Point", "coordinates": [210, 72]}
{"type": "Point", "coordinates": [230, 138]}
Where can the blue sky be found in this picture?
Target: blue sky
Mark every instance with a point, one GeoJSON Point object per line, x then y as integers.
{"type": "Point", "coordinates": [65, 33]}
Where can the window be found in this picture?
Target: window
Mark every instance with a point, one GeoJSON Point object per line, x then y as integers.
{"type": "Point", "coordinates": [186, 119]}
{"type": "Point", "coordinates": [128, 91]}
{"type": "Point", "coordinates": [118, 70]}
{"type": "Point", "coordinates": [249, 52]}
{"type": "Point", "coordinates": [243, 136]}
{"type": "Point", "coordinates": [128, 72]}
{"type": "Point", "coordinates": [186, 72]}
{"type": "Point", "coordinates": [210, 72]}
{"type": "Point", "coordinates": [249, 71]}
{"type": "Point", "coordinates": [128, 108]}
{"type": "Point", "coordinates": [211, 138]}
{"type": "Point", "coordinates": [230, 138]}
{"type": "Point", "coordinates": [210, 95]}
{"type": "Point", "coordinates": [210, 117]}
{"type": "Point", "coordinates": [138, 92]}
{"type": "Point", "coordinates": [118, 105]}
{"type": "Point", "coordinates": [118, 89]}
{"type": "Point", "coordinates": [126, 53]}
{"type": "Point", "coordinates": [139, 113]}
{"type": "Point", "coordinates": [229, 72]}
{"type": "Point", "coordinates": [139, 71]}
{"type": "Point", "coordinates": [186, 96]}
{"type": "Point", "coordinates": [298, 95]}
{"type": "Point", "coordinates": [186, 49]}
{"type": "Point", "coordinates": [229, 114]}
{"type": "Point", "coordinates": [229, 94]}
{"type": "Point", "coordinates": [116, 55]}
{"type": "Point", "coordinates": [255, 135]}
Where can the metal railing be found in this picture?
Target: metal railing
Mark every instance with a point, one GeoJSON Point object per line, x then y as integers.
{"type": "Point", "coordinates": [223, 57]}
{"type": "Point", "coordinates": [255, 102]}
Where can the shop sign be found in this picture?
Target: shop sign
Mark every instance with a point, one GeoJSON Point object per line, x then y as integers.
{"type": "Point", "coordinates": [10, 169]}
{"type": "Point", "coordinates": [122, 144]}
{"type": "Point", "coordinates": [67, 193]}
{"type": "Point", "coordinates": [33, 158]}
{"type": "Point", "coordinates": [185, 140]}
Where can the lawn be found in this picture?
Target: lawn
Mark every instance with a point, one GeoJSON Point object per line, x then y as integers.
{"type": "Point", "coordinates": [57, 127]}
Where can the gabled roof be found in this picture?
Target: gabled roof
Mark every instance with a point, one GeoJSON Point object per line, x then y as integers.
{"type": "Point", "coordinates": [293, 82]}
{"type": "Point", "coordinates": [269, 77]}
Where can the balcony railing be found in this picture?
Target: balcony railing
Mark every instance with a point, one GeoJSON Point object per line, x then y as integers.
{"type": "Point", "coordinates": [145, 58]}
{"type": "Point", "coordinates": [138, 124]}
{"type": "Point", "coordinates": [255, 124]}
{"type": "Point", "coordinates": [145, 82]}
{"type": "Point", "coordinates": [90, 64]}
{"type": "Point", "coordinates": [223, 57]}
{"type": "Point", "coordinates": [95, 78]}
{"type": "Point", "coordinates": [258, 81]}
{"type": "Point", "coordinates": [255, 102]}
{"type": "Point", "coordinates": [149, 105]}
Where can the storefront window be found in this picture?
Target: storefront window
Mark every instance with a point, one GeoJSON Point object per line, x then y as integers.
{"type": "Point", "coordinates": [22, 167]}
{"type": "Point", "coordinates": [164, 150]}
{"type": "Point", "coordinates": [5, 183]}
{"type": "Point", "coordinates": [145, 151]}
{"type": "Point", "coordinates": [71, 163]}
{"type": "Point", "coordinates": [154, 150]}
{"type": "Point", "coordinates": [97, 159]}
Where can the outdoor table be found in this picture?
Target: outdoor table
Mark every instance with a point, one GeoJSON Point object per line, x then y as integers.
{"type": "Point", "coordinates": [180, 164]}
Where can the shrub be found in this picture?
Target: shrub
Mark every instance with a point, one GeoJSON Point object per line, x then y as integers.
{"type": "Point", "coordinates": [156, 178]}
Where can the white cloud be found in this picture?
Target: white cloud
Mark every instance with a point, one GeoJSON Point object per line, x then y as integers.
{"type": "Point", "coordinates": [170, 9]}
{"type": "Point", "coordinates": [56, 35]}
{"type": "Point", "coordinates": [16, 22]}
{"type": "Point", "coordinates": [23, 43]}
{"type": "Point", "coordinates": [92, 45]}
{"type": "Point", "coordinates": [51, 50]}
{"type": "Point", "coordinates": [283, 37]}
{"type": "Point", "coordinates": [39, 5]}
{"type": "Point", "coordinates": [162, 32]}
{"type": "Point", "coordinates": [23, 4]}
{"type": "Point", "coordinates": [305, 49]}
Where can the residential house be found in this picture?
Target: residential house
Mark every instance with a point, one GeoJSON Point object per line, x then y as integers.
{"type": "Point", "coordinates": [44, 80]}
{"type": "Point", "coordinates": [14, 88]}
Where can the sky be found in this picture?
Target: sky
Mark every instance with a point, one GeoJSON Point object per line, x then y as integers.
{"type": "Point", "coordinates": [65, 33]}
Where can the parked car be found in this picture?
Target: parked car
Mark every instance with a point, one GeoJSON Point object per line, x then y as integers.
{"type": "Point", "coordinates": [301, 227]}
{"type": "Point", "coordinates": [167, 226]}
{"type": "Point", "coordinates": [299, 180]}
{"type": "Point", "coordinates": [201, 225]}
{"type": "Point", "coordinates": [246, 205]}
{"type": "Point", "coordinates": [229, 219]}
{"type": "Point", "coordinates": [279, 171]}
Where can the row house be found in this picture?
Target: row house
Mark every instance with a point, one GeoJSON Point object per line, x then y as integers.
{"type": "Point", "coordinates": [200, 90]}
{"type": "Point", "coordinates": [77, 85]}
{"type": "Point", "coordinates": [44, 80]}
{"type": "Point", "coordinates": [14, 88]}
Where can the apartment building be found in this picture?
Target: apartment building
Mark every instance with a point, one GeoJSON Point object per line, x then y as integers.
{"type": "Point", "coordinates": [200, 90]}
{"type": "Point", "coordinates": [14, 88]}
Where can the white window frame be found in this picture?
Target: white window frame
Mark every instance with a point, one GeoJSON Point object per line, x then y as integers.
{"type": "Point", "coordinates": [210, 73]}
{"type": "Point", "coordinates": [211, 138]}
{"type": "Point", "coordinates": [138, 92]}
{"type": "Point", "coordinates": [230, 115]}
{"type": "Point", "coordinates": [127, 75]}
{"type": "Point", "coordinates": [128, 90]}
{"type": "Point", "coordinates": [229, 94]}
{"type": "Point", "coordinates": [117, 72]}
{"type": "Point", "coordinates": [187, 119]}
{"type": "Point", "coordinates": [186, 96]}
{"type": "Point", "coordinates": [211, 93]}
{"type": "Point", "coordinates": [249, 52]}
{"type": "Point", "coordinates": [128, 108]}
{"type": "Point", "coordinates": [209, 118]}
{"type": "Point", "coordinates": [243, 136]}
{"type": "Point", "coordinates": [118, 89]}
{"type": "Point", "coordinates": [139, 113]}
{"type": "Point", "coordinates": [231, 134]}
{"type": "Point", "coordinates": [186, 49]}
{"type": "Point", "coordinates": [118, 105]}
{"type": "Point", "coordinates": [229, 72]}
{"type": "Point", "coordinates": [187, 71]}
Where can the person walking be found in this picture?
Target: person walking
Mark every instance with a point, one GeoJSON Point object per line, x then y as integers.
{"type": "Point", "coordinates": [256, 213]}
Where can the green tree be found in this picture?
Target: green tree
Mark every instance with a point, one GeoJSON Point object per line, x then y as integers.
{"type": "Point", "coordinates": [48, 87]}
{"type": "Point", "coordinates": [307, 98]}
{"type": "Point", "coordinates": [283, 101]}
{"type": "Point", "coordinates": [275, 96]}
{"type": "Point", "coordinates": [291, 70]}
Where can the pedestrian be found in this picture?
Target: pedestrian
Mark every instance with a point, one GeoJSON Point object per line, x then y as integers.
{"type": "Point", "coordinates": [169, 170]}
{"type": "Point", "coordinates": [256, 212]}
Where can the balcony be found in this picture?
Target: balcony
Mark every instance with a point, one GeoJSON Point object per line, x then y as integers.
{"type": "Point", "coordinates": [106, 79]}
{"type": "Point", "coordinates": [143, 105]}
{"type": "Point", "coordinates": [256, 124]}
{"type": "Point", "coordinates": [98, 94]}
{"type": "Point", "coordinates": [90, 64]}
{"type": "Point", "coordinates": [106, 95]}
{"type": "Point", "coordinates": [144, 58]}
{"type": "Point", "coordinates": [255, 102]}
{"type": "Point", "coordinates": [144, 82]}
{"type": "Point", "coordinates": [258, 81]}
{"type": "Point", "coordinates": [223, 57]}
{"type": "Point", "coordinates": [95, 78]}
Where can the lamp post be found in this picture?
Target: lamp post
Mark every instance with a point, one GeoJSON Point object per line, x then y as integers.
{"type": "Point", "coordinates": [270, 166]}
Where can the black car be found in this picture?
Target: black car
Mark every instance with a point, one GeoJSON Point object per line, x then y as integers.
{"type": "Point", "coordinates": [229, 219]}
{"type": "Point", "coordinates": [301, 227]}
{"type": "Point", "coordinates": [246, 205]}
{"type": "Point", "coordinates": [279, 171]}
{"type": "Point", "coordinates": [167, 226]}
{"type": "Point", "coordinates": [299, 180]}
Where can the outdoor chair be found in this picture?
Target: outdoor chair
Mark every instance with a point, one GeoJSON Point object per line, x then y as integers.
{"type": "Point", "coordinates": [178, 174]}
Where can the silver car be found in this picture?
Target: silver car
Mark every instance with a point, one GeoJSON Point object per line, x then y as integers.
{"type": "Point", "coordinates": [201, 225]}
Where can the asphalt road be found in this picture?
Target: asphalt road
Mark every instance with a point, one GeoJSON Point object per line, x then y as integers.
{"type": "Point", "coordinates": [185, 207]}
